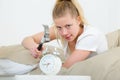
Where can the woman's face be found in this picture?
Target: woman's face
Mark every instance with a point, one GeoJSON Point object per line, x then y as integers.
{"type": "Point", "coordinates": [68, 27]}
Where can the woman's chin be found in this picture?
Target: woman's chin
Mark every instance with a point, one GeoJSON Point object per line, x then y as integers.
{"type": "Point", "coordinates": [69, 40]}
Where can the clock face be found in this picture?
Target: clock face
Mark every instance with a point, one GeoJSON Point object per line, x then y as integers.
{"type": "Point", "coordinates": [50, 64]}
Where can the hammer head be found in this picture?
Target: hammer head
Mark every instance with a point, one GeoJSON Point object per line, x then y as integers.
{"type": "Point", "coordinates": [46, 33]}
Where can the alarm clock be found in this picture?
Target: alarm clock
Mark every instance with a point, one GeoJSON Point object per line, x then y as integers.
{"type": "Point", "coordinates": [50, 63]}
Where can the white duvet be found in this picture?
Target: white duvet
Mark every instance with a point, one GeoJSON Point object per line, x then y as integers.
{"type": "Point", "coordinates": [8, 67]}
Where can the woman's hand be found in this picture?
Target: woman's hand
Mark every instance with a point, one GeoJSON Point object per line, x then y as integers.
{"type": "Point", "coordinates": [35, 52]}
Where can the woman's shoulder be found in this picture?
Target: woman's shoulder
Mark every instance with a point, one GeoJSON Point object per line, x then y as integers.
{"type": "Point", "coordinates": [91, 30]}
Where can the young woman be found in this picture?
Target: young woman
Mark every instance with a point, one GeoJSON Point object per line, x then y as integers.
{"type": "Point", "coordinates": [79, 39]}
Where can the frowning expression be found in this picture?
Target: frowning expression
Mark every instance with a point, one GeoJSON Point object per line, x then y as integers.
{"type": "Point", "coordinates": [68, 27]}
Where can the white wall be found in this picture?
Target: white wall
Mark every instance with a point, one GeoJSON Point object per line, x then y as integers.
{"type": "Point", "coordinates": [114, 15]}
{"type": "Point", "coordinates": [20, 18]}
{"type": "Point", "coordinates": [104, 14]}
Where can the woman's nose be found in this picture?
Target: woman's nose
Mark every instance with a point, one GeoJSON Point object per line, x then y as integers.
{"type": "Point", "coordinates": [65, 31]}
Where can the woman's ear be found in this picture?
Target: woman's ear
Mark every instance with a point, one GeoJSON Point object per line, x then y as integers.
{"type": "Point", "coordinates": [79, 19]}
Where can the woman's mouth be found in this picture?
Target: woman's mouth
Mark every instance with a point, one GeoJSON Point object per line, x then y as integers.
{"type": "Point", "coordinates": [68, 37]}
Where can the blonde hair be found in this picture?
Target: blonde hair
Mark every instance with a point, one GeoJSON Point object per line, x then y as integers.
{"type": "Point", "coordinates": [72, 6]}
{"type": "Point", "coordinates": [62, 7]}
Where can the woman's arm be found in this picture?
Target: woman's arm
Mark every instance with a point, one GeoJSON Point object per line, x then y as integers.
{"type": "Point", "coordinates": [76, 56]}
{"type": "Point", "coordinates": [32, 42]}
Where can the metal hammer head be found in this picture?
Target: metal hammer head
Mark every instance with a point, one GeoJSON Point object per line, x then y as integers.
{"type": "Point", "coordinates": [46, 33]}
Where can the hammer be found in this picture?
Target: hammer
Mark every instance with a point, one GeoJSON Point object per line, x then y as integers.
{"type": "Point", "coordinates": [45, 38]}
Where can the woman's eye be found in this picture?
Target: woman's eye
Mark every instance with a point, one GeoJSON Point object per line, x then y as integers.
{"type": "Point", "coordinates": [59, 28]}
{"type": "Point", "coordinates": [68, 26]}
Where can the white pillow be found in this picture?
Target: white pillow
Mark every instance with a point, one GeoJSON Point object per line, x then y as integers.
{"type": "Point", "coordinates": [8, 67]}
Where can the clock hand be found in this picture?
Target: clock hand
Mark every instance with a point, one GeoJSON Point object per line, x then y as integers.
{"type": "Point", "coordinates": [47, 64]}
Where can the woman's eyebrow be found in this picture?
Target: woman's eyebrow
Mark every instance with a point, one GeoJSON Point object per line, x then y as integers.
{"type": "Point", "coordinates": [58, 26]}
{"type": "Point", "coordinates": [67, 24]}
